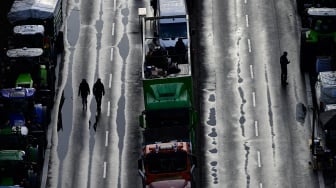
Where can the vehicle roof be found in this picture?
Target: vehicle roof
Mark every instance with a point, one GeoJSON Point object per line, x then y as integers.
{"type": "Point", "coordinates": [328, 79]}
{"type": "Point", "coordinates": [18, 92]}
{"type": "Point", "coordinates": [29, 29]}
{"type": "Point", "coordinates": [11, 155]}
{"type": "Point", "coordinates": [32, 9]}
{"type": "Point", "coordinates": [322, 11]}
{"type": "Point", "coordinates": [168, 95]}
{"type": "Point", "coordinates": [172, 7]}
{"type": "Point", "coordinates": [24, 52]}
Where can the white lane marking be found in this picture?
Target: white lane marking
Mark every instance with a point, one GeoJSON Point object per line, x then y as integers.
{"type": "Point", "coordinates": [256, 128]}
{"type": "Point", "coordinates": [106, 138]}
{"type": "Point", "coordinates": [114, 5]}
{"type": "Point", "coordinates": [108, 109]}
{"type": "Point", "coordinates": [251, 71]}
{"type": "Point", "coordinates": [245, 1]}
{"type": "Point", "coordinates": [111, 56]}
{"type": "Point", "coordinates": [259, 161]}
{"type": "Point", "coordinates": [253, 99]}
{"type": "Point", "coordinates": [320, 179]}
{"type": "Point", "coordinates": [112, 29]}
{"type": "Point", "coordinates": [249, 45]}
{"type": "Point", "coordinates": [110, 81]}
{"type": "Point", "coordinates": [104, 172]}
{"type": "Point", "coordinates": [247, 21]}
{"type": "Point", "coordinates": [260, 185]}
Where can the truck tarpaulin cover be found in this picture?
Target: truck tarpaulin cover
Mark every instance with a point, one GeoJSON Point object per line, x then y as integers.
{"type": "Point", "coordinates": [31, 9]}
{"type": "Point", "coordinates": [328, 120]}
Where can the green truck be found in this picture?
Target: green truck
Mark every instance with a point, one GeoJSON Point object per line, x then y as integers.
{"type": "Point", "coordinates": [169, 118]}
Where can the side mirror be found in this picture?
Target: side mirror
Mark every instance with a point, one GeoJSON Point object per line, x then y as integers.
{"type": "Point", "coordinates": [194, 160]}
{"type": "Point", "coordinates": [140, 170]}
{"type": "Point", "coordinates": [141, 121]}
{"type": "Point", "coordinates": [140, 164]}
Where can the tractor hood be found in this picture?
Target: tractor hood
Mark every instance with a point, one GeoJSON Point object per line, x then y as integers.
{"type": "Point", "coordinates": [179, 183]}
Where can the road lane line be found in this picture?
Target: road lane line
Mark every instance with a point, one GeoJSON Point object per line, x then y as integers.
{"type": "Point", "coordinates": [104, 173]}
{"type": "Point", "coordinates": [112, 29]}
{"type": "Point", "coordinates": [251, 71]}
{"type": "Point", "coordinates": [110, 81]}
{"type": "Point", "coordinates": [111, 56]}
{"type": "Point", "coordinates": [114, 5]}
{"type": "Point", "coordinates": [320, 179]}
{"type": "Point", "coordinates": [256, 128]}
{"type": "Point", "coordinates": [245, 1]}
{"type": "Point", "coordinates": [260, 185]}
{"type": "Point", "coordinates": [247, 21]}
{"type": "Point", "coordinates": [249, 45]}
{"type": "Point", "coordinates": [253, 99]}
{"type": "Point", "coordinates": [106, 138]}
{"type": "Point", "coordinates": [108, 109]}
{"type": "Point", "coordinates": [259, 161]}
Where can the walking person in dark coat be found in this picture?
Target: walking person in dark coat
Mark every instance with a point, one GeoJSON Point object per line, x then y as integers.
{"type": "Point", "coordinates": [98, 92]}
{"type": "Point", "coordinates": [84, 91]}
{"type": "Point", "coordinates": [284, 62]}
{"type": "Point", "coordinates": [180, 50]}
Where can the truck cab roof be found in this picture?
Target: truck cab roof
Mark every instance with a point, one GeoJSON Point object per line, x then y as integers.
{"type": "Point", "coordinates": [33, 9]}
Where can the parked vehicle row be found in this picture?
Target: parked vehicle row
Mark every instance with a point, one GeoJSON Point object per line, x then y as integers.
{"type": "Point", "coordinates": [27, 78]}
{"type": "Point", "coordinates": [318, 45]}
{"type": "Point", "coordinates": [169, 121]}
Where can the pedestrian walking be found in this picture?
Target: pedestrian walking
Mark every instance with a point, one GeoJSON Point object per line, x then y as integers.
{"type": "Point", "coordinates": [180, 50]}
{"type": "Point", "coordinates": [284, 62]}
{"type": "Point", "coordinates": [153, 3]}
{"type": "Point", "coordinates": [98, 92]}
{"type": "Point", "coordinates": [84, 91]}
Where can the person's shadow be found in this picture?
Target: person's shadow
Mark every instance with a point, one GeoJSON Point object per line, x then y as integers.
{"type": "Point", "coordinates": [97, 120]}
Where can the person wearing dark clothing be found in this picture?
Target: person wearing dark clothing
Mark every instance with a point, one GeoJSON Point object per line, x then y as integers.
{"type": "Point", "coordinates": [153, 3]}
{"type": "Point", "coordinates": [84, 91]}
{"type": "Point", "coordinates": [180, 50]}
{"type": "Point", "coordinates": [284, 62]}
{"type": "Point", "coordinates": [98, 92]}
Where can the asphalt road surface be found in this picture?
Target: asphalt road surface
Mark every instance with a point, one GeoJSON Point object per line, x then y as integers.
{"type": "Point", "coordinates": [248, 135]}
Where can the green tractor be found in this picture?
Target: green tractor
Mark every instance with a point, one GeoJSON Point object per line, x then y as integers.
{"type": "Point", "coordinates": [319, 38]}
{"type": "Point", "coordinates": [30, 68]}
{"type": "Point", "coordinates": [19, 169]}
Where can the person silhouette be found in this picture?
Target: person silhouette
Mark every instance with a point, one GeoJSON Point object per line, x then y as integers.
{"type": "Point", "coordinates": [98, 92]}
{"type": "Point", "coordinates": [84, 91]}
{"type": "Point", "coordinates": [284, 62]}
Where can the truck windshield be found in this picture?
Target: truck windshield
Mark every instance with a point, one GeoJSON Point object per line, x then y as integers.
{"type": "Point", "coordinates": [23, 105]}
{"type": "Point", "coordinates": [167, 162]}
{"type": "Point", "coordinates": [173, 30]}
{"type": "Point", "coordinates": [166, 118]}
{"type": "Point", "coordinates": [323, 24]}
{"type": "Point", "coordinates": [12, 141]}
{"type": "Point", "coordinates": [29, 41]}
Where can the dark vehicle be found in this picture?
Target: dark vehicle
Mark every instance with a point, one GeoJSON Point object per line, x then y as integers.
{"type": "Point", "coordinates": [19, 109]}
{"type": "Point", "coordinates": [18, 169]}
{"type": "Point", "coordinates": [167, 165]}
